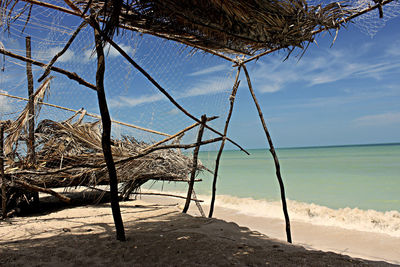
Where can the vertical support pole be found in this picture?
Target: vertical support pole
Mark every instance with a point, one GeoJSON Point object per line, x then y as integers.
{"type": "Point", "coordinates": [275, 157]}
{"type": "Point", "coordinates": [31, 111]}
{"type": "Point", "coordinates": [31, 106]}
{"type": "Point", "coordinates": [2, 176]}
{"type": "Point", "coordinates": [221, 148]}
{"type": "Point", "coordinates": [106, 138]}
{"type": "Point", "coordinates": [194, 167]}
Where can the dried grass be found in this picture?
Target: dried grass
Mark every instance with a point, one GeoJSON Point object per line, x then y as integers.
{"type": "Point", "coordinates": [70, 154]}
{"type": "Point", "coordinates": [238, 27]}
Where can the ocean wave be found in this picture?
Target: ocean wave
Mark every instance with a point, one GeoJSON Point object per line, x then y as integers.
{"type": "Point", "coordinates": [349, 218]}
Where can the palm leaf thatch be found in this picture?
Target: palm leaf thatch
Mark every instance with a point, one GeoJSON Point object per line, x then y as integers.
{"type": "Point", "coordinates": [237, 27]}
{"type": "Point", "coordinates": [19, 126]}
{"type": "Point", "coordinates": [243, 27]}
{"type": "Point", "coordinates": [70, 154]}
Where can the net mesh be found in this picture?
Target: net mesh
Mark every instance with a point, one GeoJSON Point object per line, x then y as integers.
{"type": "Point", "coordinates": [201, 83]}
{"type": "Point", "coordinates": [198, 81]}
{"type": "Point", "coordinates": [368, 23]}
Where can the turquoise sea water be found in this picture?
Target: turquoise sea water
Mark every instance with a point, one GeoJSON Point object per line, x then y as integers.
{"type": "Point", "coordinates": [366, 177]}
{"type": "Point", "coordinates": [356, 187]}
{"type": "Point", "coordinates": [363, 176]}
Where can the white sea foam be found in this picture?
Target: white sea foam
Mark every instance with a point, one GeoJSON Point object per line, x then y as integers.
{"type": "Point", "coordinates": [348, 218]}
{"type": "Point", "coordinates": [357, 219]}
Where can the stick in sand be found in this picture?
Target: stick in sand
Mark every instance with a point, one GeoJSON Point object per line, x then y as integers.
{"type": "Point", "coordinates": [194, 168]}
{"type": "Point", "coordinates": [106, 139]}
{"type": "Point", "coordinates": [272, 150]}
{"type": "Point", "coordinates": [221, 148]}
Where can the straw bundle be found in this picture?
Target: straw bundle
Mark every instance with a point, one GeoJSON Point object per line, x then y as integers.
{"type": "Point", "coordinates": [237, 27]}
{"type": "Point", "coordinates": [242, 27]}
{"type": "Point", "coordinates": [70, 154]}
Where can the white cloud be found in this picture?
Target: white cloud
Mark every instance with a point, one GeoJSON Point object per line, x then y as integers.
{"type": "Point", "coordinates": [394, 50]}
{"type": "Point", "coordinates": [112, 52]}
{"type": "Point", "coordinates": [69, 55]}
{"type": "Point", "coordinates": [173, 111]}
{"type": "Point", "coordinates": [389, 118]}
{"type": "Point", "coordinates": [210, 70]}
{"type": "Point", "coordinates": [211, 86]}
{"type": "Point", "coordinates": [325, 66]}
{"type": "Point", "coordinates": [109, 51]}
{"type": "Point", "coordinates": [270, 88]}
{"type": "Point", "coordinates": [5, 103]}
{"type": "Point", "coordinates": [123, 101]}
{"type": "Point", "coordinates": [350, 97]}
{"type": "Point", "coordinates": [47, 54]}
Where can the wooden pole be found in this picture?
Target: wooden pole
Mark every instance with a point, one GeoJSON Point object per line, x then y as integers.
{"type": "Point", "coordinates": [194, 167]}
{"type": "Point", "coordinates": [94, 24]}
{"type": "Point", "coordinates": [90, 115]}
{"type": "Point", "coordinates": [70, 75]}
{"type": "Point", "coordinates": [221, 148]}
{"type": "Point", "coordinates": [2, 176]}
{"type": "Point", "coordinates": [177, 134]}
{"type": "Point", "coordinates": [31, 106]}
{"type": "Point", "coordinates": [106, 138]}
{"type": "Point", "coordinates": [276, 161]}
{"type": "Point", "coordinates": [59, 54]}
{"type": "Point", "coordinates": [31, 155]}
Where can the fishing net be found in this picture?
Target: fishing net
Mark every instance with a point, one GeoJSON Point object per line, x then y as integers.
{"type": "Point", "coordinates": [200, 82]}
{"type": "Point", "coordinates": [368, 23]}
{"type": "Point", "coordinates": [141, 115]}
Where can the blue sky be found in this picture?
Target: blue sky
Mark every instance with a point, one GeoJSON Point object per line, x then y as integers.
{"type": "Point", "coordinates": [345, 94]}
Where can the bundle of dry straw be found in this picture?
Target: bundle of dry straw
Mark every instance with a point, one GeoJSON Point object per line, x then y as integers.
{"type": "Point", "coordinates": [241, 27]}
{"type": "Point", "coordinates": [70, 154]}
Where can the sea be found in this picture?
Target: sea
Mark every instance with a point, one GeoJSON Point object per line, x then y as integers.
{"type": "Point", "coordinates": [352, 186]}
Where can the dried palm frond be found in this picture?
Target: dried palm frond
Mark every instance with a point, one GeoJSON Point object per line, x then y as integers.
{"type": "Point", "coordinates": [239, 27]}
{"type": "Point", "coordinates": [70, 154]}
{"type": "Point", "coordinates": [19, 126]}
{"type": "Point", "coordinates": [227, 26]}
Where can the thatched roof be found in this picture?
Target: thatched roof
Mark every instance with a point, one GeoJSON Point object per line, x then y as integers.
{"type": "Point", "coordinates": [243, 27]}
{"type": "Point", "coordinates": [238, 27]}
{"type": "Point", "coordinates": [70, 154]}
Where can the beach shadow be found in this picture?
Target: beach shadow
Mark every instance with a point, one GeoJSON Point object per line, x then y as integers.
{"type": "Point", "coordinates": [167, 239]}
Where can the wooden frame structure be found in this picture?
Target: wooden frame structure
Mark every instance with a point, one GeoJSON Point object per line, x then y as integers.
{"type": "Point", "coordinates": [251, 28]}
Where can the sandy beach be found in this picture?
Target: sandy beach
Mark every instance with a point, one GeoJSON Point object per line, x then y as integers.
{"type": "Point", "coordinates": [158, 234]}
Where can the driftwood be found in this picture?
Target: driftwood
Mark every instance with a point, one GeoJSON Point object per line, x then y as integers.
{"type": "Point", "coordinates": [90, 115]}
{"type": "Point", "coordinates": [70, 75]}
{"type": "Point", "coordinates": [31, 105]}
{"type": "Point", "coordinates": [194, 168]}
{"type": "Point", "coordinates": [35, 188]}
{"type": "Point", "coordinates": [158, 86]}
{"type": "Point", "coordinates": [177, 134]}
{"type": "Point", "coordinates": [275, 157]}
{"type": "Point", "coordinates": [221, 148]}
{"type": "Point", "coordinates": [106, 138]}
{"type": "Point", "coordinates": [167, 195]}
{"type": "Point", "coordinates": [59, 54]}
{"type": "Point", "coordinates": [2, 176]}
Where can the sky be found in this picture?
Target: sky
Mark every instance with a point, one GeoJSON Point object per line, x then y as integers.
{"type": "Point", "coordinates": [343, 93]}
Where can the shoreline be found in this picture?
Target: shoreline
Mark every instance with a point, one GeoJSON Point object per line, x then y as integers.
{"type": "Point", "coordinates": [354, 243]}
{"type": "Point", "coordinates": [158, 234]}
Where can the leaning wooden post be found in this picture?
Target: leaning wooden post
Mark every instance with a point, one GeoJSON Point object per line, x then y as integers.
{"type": "Point", "coordinates": [2, 176]}
{"type": "Point", "coordinates": [31, 111]}
{"type": "Point", "coordinates": [31, 106]}
{"type": "Point", "coordinates": [194, 166]}
{"type": "Point", "coordinates": [106, 138]}
{"type": "Point", "coordinates": [221, 148]}
{"type": "Point", "coordinates": [276, 161]}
